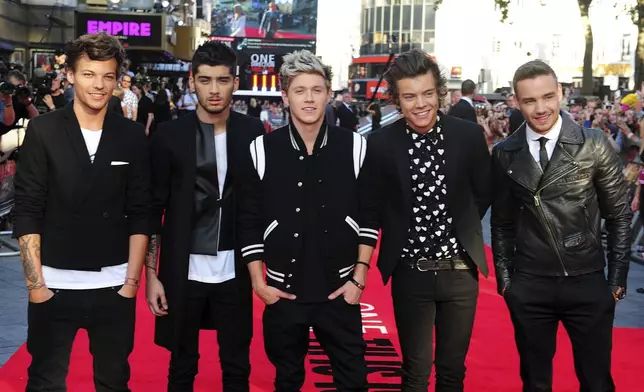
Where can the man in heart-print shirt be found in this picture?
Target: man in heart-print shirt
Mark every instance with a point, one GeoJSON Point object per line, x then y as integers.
{"type": "Point", "coordinates": [428, 180]}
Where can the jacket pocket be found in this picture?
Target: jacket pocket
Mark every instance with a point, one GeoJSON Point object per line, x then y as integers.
{"type": "Point", "coordinates": [353, 224]}
{"type": "Point", "coordinates": [270, 229]}
{"type": "Point", "coordinates": [591, 231]}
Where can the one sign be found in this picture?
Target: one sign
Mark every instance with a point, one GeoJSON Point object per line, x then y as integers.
{"type": "Point", "coordinates": [140, 30]}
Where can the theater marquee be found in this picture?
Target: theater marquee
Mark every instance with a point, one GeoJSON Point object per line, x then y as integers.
{"type": "Point", "coordinates": [135, 31]}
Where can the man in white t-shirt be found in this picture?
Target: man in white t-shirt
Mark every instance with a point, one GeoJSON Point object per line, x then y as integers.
{"type": "Point", "coordinates": [195, 165]}
{"type": "Point", "coordinates": [81, 217]}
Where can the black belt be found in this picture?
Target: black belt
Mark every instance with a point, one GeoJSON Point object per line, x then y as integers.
{"type": "Point", "coordinates": [424, 264]}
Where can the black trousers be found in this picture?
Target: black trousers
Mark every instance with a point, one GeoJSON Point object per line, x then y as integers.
{"type": "Point", "coordinates": [109, 321]}
{"type": "Point", "coordinates": [585, 306]}
{"type": "Point", "coordinates": [445, 300]}
{"type": "Point", "coordinates": [223, 303]}
{"type": "Point", "coordinates": [337, 326]}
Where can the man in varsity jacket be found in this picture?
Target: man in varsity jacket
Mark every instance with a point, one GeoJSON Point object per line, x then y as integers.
{"type": "Point", "coordinates": [299, 216]}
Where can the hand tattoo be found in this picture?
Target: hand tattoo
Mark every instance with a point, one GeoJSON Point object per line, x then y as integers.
{"type": "Point", "coordinates": [30, 251]}
{"type": "Point", "coordinates": [152, 256]}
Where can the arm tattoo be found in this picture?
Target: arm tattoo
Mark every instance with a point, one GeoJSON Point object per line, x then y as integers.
{"type": "Point", "coordinates": [152, 256]}
{"type": "Point", "coordinates": [35, 286]}
{"type": "Point", "coordinates": [30, 251]}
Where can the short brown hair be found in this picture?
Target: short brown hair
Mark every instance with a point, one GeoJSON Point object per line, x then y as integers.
{"type": "Point", "coordinates": [97, 47]}
{"type": "Point", "coordinates": [411, 64]}
{"type": "Point", "coordinates": [531, 70]}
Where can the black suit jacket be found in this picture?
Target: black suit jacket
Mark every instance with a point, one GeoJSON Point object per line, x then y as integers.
{"type": "Point", "coordinates": [173, 153]}
{"type": "Point", "coordinates": [387, 180]}
{"type": "Point", "coordinates": [85, 212]}
{"type": "Point", "coordinates": [348, 119]}
{"type": "Point", "coordinates": [463, 110]}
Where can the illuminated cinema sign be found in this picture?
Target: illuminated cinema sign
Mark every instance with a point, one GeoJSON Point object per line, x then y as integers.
{"type": "Point", "coordinates": [133, 30]}
{"type": "Point", "coordinates": [130, 29]}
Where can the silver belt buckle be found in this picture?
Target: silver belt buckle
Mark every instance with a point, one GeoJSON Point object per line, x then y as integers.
{"type": "Point", "coordinates": [422, 260]}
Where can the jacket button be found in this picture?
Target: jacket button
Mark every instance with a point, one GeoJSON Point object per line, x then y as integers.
{"type": "Point", "coordinates": [297, 209]}
{"type": "Point", "coordinates": [106, 215]}
{"type": "Point", "coordinates": [326, 231]}
{"type": "Point", "coordinates": [296, 235]}
{"type": "Point", "coordinates": [323, 206]}
{"type": "Point", "coordinates": [293, 261]}
{"type": "Point", "coordinates": [509, 171]}
{"type": "Point", "coordinates": [301, 158]}
{"type": "Point", "coordinates": [288, 286]}
{"type": "Point", "coordinates": [290, 275]}
{"type": "Point", "coordinates": [299, 184]}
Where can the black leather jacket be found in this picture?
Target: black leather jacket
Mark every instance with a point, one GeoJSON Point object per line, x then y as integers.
{"type": "Point", "coordinates": [550, 224]}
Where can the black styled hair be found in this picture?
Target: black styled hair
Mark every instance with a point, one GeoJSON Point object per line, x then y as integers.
{"type": "Point", "coordinates": [531, 70]}
{"type": "Point", "coordinates": [214, 54]}
{"type": "Point", "coordinates": [411, 64]}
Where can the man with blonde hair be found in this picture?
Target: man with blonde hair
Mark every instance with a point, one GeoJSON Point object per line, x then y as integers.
{"type": "Point", "coordinates": [300, 217]}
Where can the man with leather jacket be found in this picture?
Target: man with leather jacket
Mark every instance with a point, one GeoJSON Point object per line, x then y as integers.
{"type": "Point", "coordinates": [553, 181]}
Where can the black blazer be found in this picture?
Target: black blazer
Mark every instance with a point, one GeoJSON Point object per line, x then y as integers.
{"type": "Point", "coordinates": [387, 181]}
{"type": "Point", "coordinates": [84, 212]}
{"type": "Point", "coordinates": [463, 110]}
{"type": "Point", "coordinates": [348, 119]}
{"type": "Point", "coordinates": [173, 154]}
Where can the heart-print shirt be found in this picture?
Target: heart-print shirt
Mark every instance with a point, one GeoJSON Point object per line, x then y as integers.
{"type": "Point", "coordinates": [430, 232]}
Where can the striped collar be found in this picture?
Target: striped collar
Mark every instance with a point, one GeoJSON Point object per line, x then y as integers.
{"type": "Point", "coordinates": [298, 143]}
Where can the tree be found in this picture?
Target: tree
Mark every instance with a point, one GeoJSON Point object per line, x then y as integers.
{"type": "Point", "coordinates": [587, 78]}
{"type": "Point", "coordinates": [636, 11]}
{"type": "Point", "coordinates": [503, 6]}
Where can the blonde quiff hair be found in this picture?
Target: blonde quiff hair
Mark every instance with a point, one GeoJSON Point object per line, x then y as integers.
{"type": "Point", "coordinates": [302, 62]}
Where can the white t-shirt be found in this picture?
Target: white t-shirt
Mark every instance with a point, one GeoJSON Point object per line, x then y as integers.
{"type": "Point", "coordinates": [220, 268]}
{"type": "Point", "coordinates": [85, 280]}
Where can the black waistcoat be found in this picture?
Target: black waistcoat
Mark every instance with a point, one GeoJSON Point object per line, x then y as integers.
{"type": "Point", "coordinates": [213, 213]}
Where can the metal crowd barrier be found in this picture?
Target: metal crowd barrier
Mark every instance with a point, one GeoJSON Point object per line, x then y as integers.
{"type": "Point", "coordinates": [638, 238]}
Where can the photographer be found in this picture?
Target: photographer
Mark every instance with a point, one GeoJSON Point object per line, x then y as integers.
{"type": "Point", "coordinates": [21, 101]}
{"type": "Point", "coordinates": [7, 114]}
{"type": "Point", "coordinates": [56, 98]}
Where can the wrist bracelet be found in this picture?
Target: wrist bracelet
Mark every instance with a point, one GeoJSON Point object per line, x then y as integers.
{"type": "Point", "coordinates": [136, 281]}
{"type": "Point", "coordinates": [358, 284]}
{"type": "Point", "coordinates": [363, 263]}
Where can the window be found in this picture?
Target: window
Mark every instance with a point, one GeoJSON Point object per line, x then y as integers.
{"type": "Point", "coordinates": [378, 21]}
{"type": "Point", "coordinates": [387, 22]}
{"type": "Point", "coordinates": [430, 17]}
{"type": "Point", "coordinates": [556, 46]}
{"type": "Point", "coordinates": [418, 17]}
{"type": "Point", "coordinates": [428, 47]}
{"type": "Point", "coordinates": [626, 47]}
{"type": "Point", "coordinates": [396, 18]}
{"type": "Point", "coordinates": [406, 19]}
{"type": "Point", "coordinates": [496, 46]}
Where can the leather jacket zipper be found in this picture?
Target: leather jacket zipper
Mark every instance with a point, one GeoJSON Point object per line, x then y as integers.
{"type": "Point", "coordinates": [537, 204]}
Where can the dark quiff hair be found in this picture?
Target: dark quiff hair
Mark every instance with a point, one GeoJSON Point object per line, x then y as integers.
{"type": "Point", "coordinates": [531, 70]}
{"type": "Point", "coordinates": [97, 47]}
{"type": "Point", "coordinates": [410, 65]}
{"type": "Point", "coordinates": [214, 54]}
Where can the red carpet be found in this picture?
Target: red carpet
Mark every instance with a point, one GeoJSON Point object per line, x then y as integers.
{"type": "Point", "coordinates": [492, 362]}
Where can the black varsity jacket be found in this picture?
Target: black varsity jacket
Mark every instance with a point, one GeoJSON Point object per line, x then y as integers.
{"type": "Point", "coordinates": [271, 219]}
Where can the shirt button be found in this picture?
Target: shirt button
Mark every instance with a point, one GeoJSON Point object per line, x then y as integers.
{"type": "Point", "coordinates": [299, 184]}
{"type": "Point", "coordinates": [297, 209]}
{"type": "Point", "coordinates": [319, 181]}
{"type": "Point", "coordinates": [296, 235]}
{"type": "Point", "coordinates": [289, 275]}
{"type": "Point", "coordinates": [288, 286]}
{"type": "Point", "coordinates": [323, 206]}
{"type": "Point", "coordinates": [301, 158]}
{"type": "Point", "coordinates": [106, 215]}
{"type": "Point", "coordinates": [292, 260]}
{"type": "Point", "coordinates": [326, 231]}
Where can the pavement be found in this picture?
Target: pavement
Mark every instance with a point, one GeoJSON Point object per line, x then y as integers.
{"type": "Point", "coordinates": [14, 297]}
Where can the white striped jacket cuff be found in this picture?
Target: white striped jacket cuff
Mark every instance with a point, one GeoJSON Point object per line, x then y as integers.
{"type": "Point", "coordinates": [252, 252]}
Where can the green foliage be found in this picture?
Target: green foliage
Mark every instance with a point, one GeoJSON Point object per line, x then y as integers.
{"type": "Point", "coordinates": [502, 5]}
